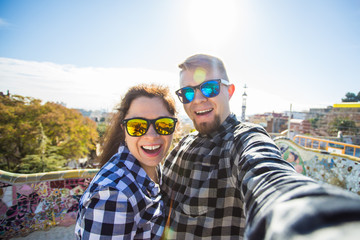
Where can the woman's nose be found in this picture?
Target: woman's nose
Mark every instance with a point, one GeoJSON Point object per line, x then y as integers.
{"type": "Point", "coordinates": [151, 131]}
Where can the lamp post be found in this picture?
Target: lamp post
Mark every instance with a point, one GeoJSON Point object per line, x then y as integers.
{"type": "Point", "coordinates": [244, 96]}
{"type": "Point", "coordinates": [289, 122]}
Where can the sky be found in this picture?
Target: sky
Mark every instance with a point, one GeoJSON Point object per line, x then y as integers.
{"type": "Point", "coordinates": [86, 54]}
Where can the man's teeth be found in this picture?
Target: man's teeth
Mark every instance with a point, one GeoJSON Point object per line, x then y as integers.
{"type": "Point", "coordinates": [203, 111]}
{"type": "Point", "coordinates": [151, 148]}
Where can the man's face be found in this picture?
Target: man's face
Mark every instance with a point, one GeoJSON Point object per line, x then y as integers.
{"type": "Point", "coordinates": [207, 114]}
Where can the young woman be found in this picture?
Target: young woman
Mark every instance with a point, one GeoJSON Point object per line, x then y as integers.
{"type": "Point", "coordinates": [123, 201]}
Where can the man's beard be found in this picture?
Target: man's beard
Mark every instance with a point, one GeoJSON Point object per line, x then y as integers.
{"type": "Point", "coordinates": [207, 128]}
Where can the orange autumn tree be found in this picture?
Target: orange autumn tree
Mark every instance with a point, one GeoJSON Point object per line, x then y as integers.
{"type": "Point", "coordinates": [37, 137]}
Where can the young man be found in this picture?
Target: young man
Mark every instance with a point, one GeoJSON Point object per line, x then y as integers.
{"type": "Point", "coordinates": [228, 180]}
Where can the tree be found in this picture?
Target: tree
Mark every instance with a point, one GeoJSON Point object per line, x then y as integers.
{"type": "Point", "coordinates": [68, 129]}
{"type": "Point", "coordinates": [101, 128]}
{"type": "Point", "coordinates": [43, 135]}
{"type": "Point", "coordinates": [48, 161]}
{"type": "Point", "coordinates": [17, 133]}
{"type": "Point", "coordinates": [314, 122]}
{"type": "Point", "coordinates": [351, 97]}
{"type": "Point", "coordinates": [345, 125]}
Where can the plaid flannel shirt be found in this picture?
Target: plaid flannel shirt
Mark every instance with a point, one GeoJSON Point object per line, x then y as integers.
{"type": "Point", "coordinates": [121, 202]}
{"type": "Point", "coordinates": [212, 182]}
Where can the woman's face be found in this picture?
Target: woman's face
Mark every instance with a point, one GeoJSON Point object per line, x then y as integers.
{"type": "Point", "coordinates": [150, 148]}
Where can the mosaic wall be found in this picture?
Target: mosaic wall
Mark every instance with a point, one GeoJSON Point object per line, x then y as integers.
{"type": "Point", "coordinates": [31, 202]}
{"type": "Point", "coordinates": [336, 169]}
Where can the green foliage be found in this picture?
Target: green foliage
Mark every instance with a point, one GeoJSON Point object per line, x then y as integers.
{"type": "Point", "coordinates": [36, 137]}
{"type": "Point", "coordinates": [314, 122]}
{"type": "Point", "coordinates": [345, 125]}
{"type": "Point", "coordinates": [50, 161]}
{"type": "Point", "coordinates": [351, 97]}
{"type": "Point", "coordinates": [101, 129]}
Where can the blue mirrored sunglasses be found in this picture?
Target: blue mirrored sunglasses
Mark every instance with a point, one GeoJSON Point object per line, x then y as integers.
{"type": "Point", "coordinates": [208, 89]}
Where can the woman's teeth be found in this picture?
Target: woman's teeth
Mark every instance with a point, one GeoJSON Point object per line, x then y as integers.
{"type": "Point", "coordinates": [151, 148]}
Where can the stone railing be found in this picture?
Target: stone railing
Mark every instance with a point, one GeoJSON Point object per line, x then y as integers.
{"type": "Point", "coordinates": [31, 202]}
{"type": "Point", "coordinates": [337, 169]}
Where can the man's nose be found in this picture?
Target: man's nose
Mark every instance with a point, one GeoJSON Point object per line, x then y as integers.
{"type": "Point", "coordinates": [198, 96]}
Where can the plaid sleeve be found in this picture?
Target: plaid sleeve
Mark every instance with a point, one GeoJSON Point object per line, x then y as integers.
{"type": "Point", "coordinates": [107, 214]}
{"type": "Point", "coordinates": [282, 204]}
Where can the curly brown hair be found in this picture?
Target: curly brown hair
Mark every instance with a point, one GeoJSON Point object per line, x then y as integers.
{"type": "Point", "coordinates": [115, 134]}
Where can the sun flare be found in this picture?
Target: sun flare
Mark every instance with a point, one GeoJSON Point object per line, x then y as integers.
{"type": "Point", "coordinates": [212, 22]}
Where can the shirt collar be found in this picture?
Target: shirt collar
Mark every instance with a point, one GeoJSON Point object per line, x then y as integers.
{"type": "Point", "coordinates": [146, 184]}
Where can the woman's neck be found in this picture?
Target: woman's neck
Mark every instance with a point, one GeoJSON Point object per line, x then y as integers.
{"type": "Point", "coordinates": [152, 173]}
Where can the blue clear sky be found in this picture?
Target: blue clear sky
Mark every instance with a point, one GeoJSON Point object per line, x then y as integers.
{"type": "Point", "coordinates": [87, 53]}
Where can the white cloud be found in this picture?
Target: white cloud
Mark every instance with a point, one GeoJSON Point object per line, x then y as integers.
{"type": "Point", "coordinates": [101, 88]}
{"type": "Point", "coordinates": [88, 88]}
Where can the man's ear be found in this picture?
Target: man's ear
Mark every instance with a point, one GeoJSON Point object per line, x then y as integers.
{"type": "Point", "coordinates": [231, 90]}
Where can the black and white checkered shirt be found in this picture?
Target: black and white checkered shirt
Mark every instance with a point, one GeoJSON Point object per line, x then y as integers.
{"type": "Point", "coordinates": [204, 177]}
{"type": "Point", "coordinates": [213, 182]}
{"type": "Point", "coordinates": [121, 202]}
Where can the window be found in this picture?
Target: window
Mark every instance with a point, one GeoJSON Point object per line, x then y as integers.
{"type": "Point", "coordinates": [349, 151]}
{"type": "Point", "coordinates": [316, 144]}
{"type": "Point", "coordinates": [308, 143]}
{"type": "Point", "coordinates": [323, 145]}
{"type": "Point", "coordinates": [357, 152]}
{"type": "Point", "coordinates": [302, 141]}
{"type": "Point", "coordinates": [334, 145]}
